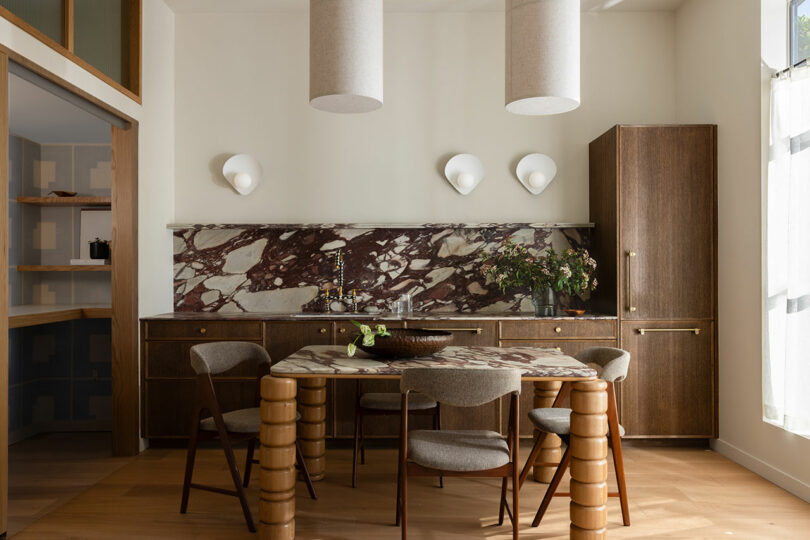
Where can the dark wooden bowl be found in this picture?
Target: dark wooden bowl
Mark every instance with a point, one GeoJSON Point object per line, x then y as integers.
{"type": "Point", "coordinates": [408, 343]}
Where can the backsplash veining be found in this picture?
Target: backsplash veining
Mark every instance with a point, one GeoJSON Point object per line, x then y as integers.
{"type": "Point", "coordinates": [281, 268]}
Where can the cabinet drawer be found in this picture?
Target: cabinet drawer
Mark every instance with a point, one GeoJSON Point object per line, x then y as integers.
{"type": "Point", "coordinates": [466, 332]}
{"type": "Point", "coordinates": [172, 359]}
{"type": "Point", "coordinates": [344, 330]}
{"type": "Point", "coordinates": [558, 329]}
{"type": "Point", "coordinates": [204, 330]}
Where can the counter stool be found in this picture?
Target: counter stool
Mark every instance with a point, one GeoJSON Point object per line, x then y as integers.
{"type": "Point", "coordinates": [386, 404]}
{"type": "Point", "coordinates": [611, 365]}
{"type": "Point", "coordinates": [243, 424]}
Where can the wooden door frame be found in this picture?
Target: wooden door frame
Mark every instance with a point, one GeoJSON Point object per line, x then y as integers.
{"type": "Point", "coordinates": [124, 275]}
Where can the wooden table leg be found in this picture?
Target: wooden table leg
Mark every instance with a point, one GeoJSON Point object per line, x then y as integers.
{"type": "Point", "coordinates": [312, 426]}
{"type": "Point", "coordinates": [589, 466]}
{"type": "Point", "coordinates": [544, 394]}
{"type": "Point", "coordinates": [277, 460]}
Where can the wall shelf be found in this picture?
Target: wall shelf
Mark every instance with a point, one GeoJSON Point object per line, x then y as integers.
{"type": "Point", "coordinates": [34, 314]}
{"type": "Point", "coordinates": [66, 201]}
{"type": "Point", "coordinates": [64, 268]}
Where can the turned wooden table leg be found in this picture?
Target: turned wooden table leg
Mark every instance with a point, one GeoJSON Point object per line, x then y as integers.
{"type": "Point", "coordinates": [589, 467]}
{"type": "Point", "coordinates": [277, 460]}
{"type": "Point", "coordinates": [312, 426]}
{"type": "Point", "coordinates": [544, 394]}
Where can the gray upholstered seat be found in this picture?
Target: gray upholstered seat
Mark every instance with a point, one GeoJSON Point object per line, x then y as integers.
{"type": "Point", "coordinates": [458, 450]}
{"type": "Point", "coordinates": [392, 401]}
{"type": "Point", "coordinates": [220, 356]}
{"type": "Point", "coordinates": [239, 421]}
{"type": "Point", "coordinates": [555, 420]}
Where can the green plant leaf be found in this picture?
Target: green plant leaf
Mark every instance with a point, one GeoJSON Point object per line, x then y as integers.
{"type": "Point", "coordinates": [365, 330]}
{"type": "Point", "coordinates": [368, 340]}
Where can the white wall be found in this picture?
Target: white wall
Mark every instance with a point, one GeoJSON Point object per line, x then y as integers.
{"type": "Point", "coordinates": [242, 86]}
{"type": "Point", "coordinates": [718, 81]}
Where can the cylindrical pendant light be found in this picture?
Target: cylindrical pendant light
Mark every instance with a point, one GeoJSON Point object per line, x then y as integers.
{"type": "Point", "coordinates": [346, 55]}
{"type": "Point", "coordinates": [542, 56]}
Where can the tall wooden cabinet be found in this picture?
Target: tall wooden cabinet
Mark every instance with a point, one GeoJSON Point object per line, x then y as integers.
{"type": "Point", "coordinates": [653, 197]}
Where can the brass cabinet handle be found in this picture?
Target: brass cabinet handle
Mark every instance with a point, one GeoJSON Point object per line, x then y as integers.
{"type": "Point", "coordinates": [558, 348]}
{"type": "Point", "coordinates": [558, 329]}
{"type": "Point", "coordinates": [342, 330]}
{"type": "Point", "coordinates": [473, 330]}
{"type": "Point", "coordinates": [643, 331]}
{"type": "Point", "coordinates": [322, 330]}
{"type": "Point", "coordinates": [203, 330]}
{"type": "Point", "coordinates": [630, 307]}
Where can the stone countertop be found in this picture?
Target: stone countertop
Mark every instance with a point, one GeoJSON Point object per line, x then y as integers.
{"type": "Point", "coordinates": [384, 316]}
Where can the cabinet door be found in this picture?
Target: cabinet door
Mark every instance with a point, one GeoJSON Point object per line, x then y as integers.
{"type": "Point", "coordinates": [468, 332]}
{"type": "Point", "coordinates": [669, 390]}
{"type": "Point", "coordinates": [569, 347]}
{"type": "Point", "coordinates": [667, 222]}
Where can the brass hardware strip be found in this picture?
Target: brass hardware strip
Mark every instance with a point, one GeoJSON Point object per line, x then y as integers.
{"type": "Point", "coordinates": [643, 331]}
{"type": "Point", "coordinates": [473, 330]}
{"type": "Point", "coordinates": [630, 307]}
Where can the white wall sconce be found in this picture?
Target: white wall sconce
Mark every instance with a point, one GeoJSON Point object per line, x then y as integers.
{"type": "Point", "coordinates": [243, 172]}
{"type": "Point", "coordinates": [464, 172]}
{"type": "Point", "coordinates": [535, 172]}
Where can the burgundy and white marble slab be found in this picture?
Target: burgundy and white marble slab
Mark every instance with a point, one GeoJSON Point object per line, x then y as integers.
{"type": "Point", "coordinates": [332, 361]}
{"type": "Point", "coordinates": [281, 268]}
{"type": "Point", "coordinates": [383, 316]}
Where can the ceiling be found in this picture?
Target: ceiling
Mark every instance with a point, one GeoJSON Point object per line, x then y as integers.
{"type": "Point", "coordinates": [42, 117]}
{"type": "Point", "coordinates": [181, 6]}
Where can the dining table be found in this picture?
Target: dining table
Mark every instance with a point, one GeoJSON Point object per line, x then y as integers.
{"type": "Point", "coordinates": [297, 385]}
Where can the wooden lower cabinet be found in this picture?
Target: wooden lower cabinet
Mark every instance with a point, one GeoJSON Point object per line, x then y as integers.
{"type": "Point", "coordinates": [569, 347]}
{"type": "Point", "coordinates": [670, 388]}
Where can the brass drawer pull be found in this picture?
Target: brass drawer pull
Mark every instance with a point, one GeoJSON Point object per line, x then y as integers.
{"type": "Point", "coordinates": [473, 330]}
{"type": "Point", "coordinates": [643, 331]}
{"type": "Point", "coordinates": [322, 330]}
{"type": "Point", "coordinates": [342, 330]}
{"type": "Point", "coordinates": [630, 307]}
{"type": "Point", "coordinates": [203, 330]}
{"type": "Point", "coordinates": [558, 329]}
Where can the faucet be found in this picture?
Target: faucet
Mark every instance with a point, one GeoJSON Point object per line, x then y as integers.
{"type": "Point", "coordinates": [326, 294]}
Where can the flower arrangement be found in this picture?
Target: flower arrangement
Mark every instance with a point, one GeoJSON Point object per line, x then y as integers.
{"type": "Point", "coordinates": [571, 271]}
{"type": "Point", "coordinates": [368, 335]}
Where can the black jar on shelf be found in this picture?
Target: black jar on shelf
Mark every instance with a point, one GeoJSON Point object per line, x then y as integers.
{"type": "Point", "coordinates": [99, 249]}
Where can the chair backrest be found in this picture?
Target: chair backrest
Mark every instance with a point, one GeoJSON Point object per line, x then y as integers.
{"type": "Point", "coordinates": [461, 387]}
{"type": "Point", "coordinates": [612, 364]}
{"type": "Point", "coordinates": [220, 356]}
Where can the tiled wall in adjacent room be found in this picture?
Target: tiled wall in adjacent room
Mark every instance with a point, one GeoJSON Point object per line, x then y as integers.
{"type": "Point", "coordinates": [59, 374]}
{"type": "Point", "coordinates": [281, 268]}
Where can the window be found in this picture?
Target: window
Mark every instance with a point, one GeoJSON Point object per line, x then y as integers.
{"type": "Point", "coordinates": [102, 36]}
{"type": "Point", "coordinates": [799, 31]}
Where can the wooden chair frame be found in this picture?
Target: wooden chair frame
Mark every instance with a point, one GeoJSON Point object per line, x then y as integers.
{"type": "Point", "coordinates": [206, 399]}
{"type": "Point", "coordinates": [615, 440]}
{"type": "Point", "coordinates": [359, 439]}
{"type": "Point", "coordinates": [406, 468]}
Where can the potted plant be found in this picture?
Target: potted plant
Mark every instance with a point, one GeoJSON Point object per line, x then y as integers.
{"type": "Point", "coordinates": [513, 266]}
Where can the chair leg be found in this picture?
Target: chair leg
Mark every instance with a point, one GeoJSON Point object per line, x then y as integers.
{"type": "Point", "coordinates": [302, 466]}
{"type": "Point", "coordinates": [618, 459]}
{"type": "Point", "coordinates": [437, 425]}
{"type": "Point", "coordinates": [404, 511]}
{"type": "Point", "coordinates": [399, 492]}
{"type": "Point", "coordinates": [503, 501]}
{"type": "Point", "coordinates": [192, 452]}
{"type": "Point", "coordinates": [552, 487]}
{"type": "Point", "coordinates": [362, 444]}
{"type": "Point", "coordinates": [538, 444]}
{"type": "Point", "coordinates": [237, 481]}
{"type": "Point", "coordinates": [249, 461]}
{"type": "Point", "coordinates": [515, 500]}
{"type": "Point", "coordinates": [357, 421]}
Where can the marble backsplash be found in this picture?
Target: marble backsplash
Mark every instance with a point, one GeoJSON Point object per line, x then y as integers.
{"type": "Point", "coordinates": [282, 268]}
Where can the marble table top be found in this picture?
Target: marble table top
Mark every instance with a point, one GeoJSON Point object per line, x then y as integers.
{"type": "Point", "coordinates": [331, 361]}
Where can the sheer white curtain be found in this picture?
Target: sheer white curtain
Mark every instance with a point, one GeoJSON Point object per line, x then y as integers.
{"type": "Point", "coordinates": [786, 369]}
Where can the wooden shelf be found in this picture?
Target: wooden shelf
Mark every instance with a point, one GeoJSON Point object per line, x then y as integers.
{"type": "Point", "coordinates": [64, 268]}
{"type": "Point", "coordinates": [33, 314]}
{"type": "Point", "coordinates": [65, 201]}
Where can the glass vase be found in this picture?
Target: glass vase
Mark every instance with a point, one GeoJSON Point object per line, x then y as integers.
{"type": "Point", "coordinates": [545, 302]}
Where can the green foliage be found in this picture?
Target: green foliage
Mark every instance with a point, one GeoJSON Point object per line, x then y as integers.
{"type": "Point", "coordinates": [513, 266]}
{"type": "Point", "coordinates": [367, 335]}
{"type": "Point", "coordinates": [803, 36]}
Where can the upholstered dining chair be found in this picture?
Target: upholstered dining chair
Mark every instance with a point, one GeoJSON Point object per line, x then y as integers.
{"type": "Point", "coordinates": [243, 424]}
{"type": "Point", "coordinates": [386, 404]}
{"type": "Point", "coordinates": [468, 453]}
{"type": "Point", "coordinates": [611, 365]}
